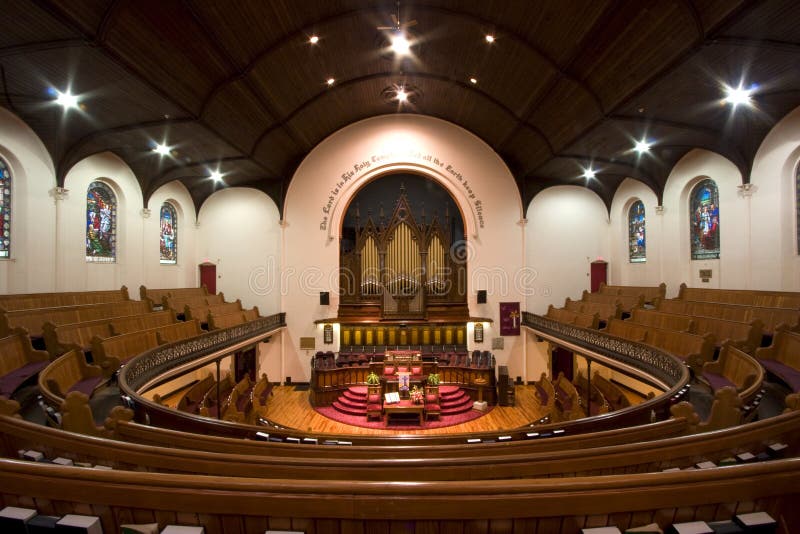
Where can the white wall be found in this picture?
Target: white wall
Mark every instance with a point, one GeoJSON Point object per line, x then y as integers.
{"type": "Point", "coordinates": [322, 186]}
{"type": "Point", "coordinates": [33, 211]}
{"type": "Point", "coordinates": [773, 256]}
{"type": "Point", "coordinates": [731, 269]}
{"type": "Point", "coordinates": [185, 272]}
{"type": "Point", "coordinates": [239, 231]}
{"type": "Point", "coordinates": [621, 270]}
{"type": "Point", "coordinates": [567, 229]}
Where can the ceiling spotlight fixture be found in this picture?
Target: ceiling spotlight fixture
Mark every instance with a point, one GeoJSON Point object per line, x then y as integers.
{"type": "Point", "coordinates": [489, 38]}
{"type": "Point", "coordinates": [66, 99]}
{"type": "Point", "coordinates": [473, 81]}
{"type": "Point", "coordinates": [589, 173]}
{"type": "Point", "coordinates": [216, 176]}
{"type": "Point", "coordinates": [642, 146]}
{"type": "Point", "coordinates": [162, 150]}
{"type": "Point", "coordinates": [402, 96]}
{"type": "Point", "coordinates": [400, 44]}
{"type": "Point", "coordinates": [738, 95]}
{"type": "Point", "coordinates": [330, 81]}
{"type": "Point", "coordinates": [314, 39]}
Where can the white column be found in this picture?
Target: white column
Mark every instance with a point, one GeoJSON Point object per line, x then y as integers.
{"type": "Point", "coordinates": [746, 192]}
{"type": "Point", "coordinates": [59, 194]}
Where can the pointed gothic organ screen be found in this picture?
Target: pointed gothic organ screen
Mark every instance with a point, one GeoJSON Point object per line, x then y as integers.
{"type": "Point", "coordinates": [401, 252]}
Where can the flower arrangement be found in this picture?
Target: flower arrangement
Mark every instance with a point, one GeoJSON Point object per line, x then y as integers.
{"type": "Point", "coordinates": [416, 395]}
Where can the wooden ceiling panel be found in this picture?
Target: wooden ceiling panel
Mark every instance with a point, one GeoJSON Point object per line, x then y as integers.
{"type": "Point", "coordinates": [565, 112]}
{"type": "Point", "coordinates": [87, 15]}
{"type": "Point", "coordinates": [713, 12]}
{"type": "Point", "coordinates": [254, 26]}
{"type": "Point", "coordinates": [775, 20]}
{"type": "Point", "coordinates": [31, 25]}
{"type": "Point", "coordinates": [238, 115]}
{"type": "Point", "coordinates": [648, 42]}
{"type": "Point", "coordinates": [166, 46]}
{"type": "Point", "coordinates": [278, 153]}
{"type": "Point", "coordinates": [528, 148]}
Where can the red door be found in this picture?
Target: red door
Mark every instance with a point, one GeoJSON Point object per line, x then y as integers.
{"type": "Point", "coordinates": [599, 275]}
{"type": "Point", "coordinates": [208, 277]}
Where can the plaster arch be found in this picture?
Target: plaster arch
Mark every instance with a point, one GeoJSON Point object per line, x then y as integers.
{"type": "Point", "coordinates": [473, 174]}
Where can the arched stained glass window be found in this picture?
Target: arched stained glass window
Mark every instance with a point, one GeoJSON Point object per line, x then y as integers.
{"type": "Point", "coordinates": [5, 210]}
{"type": "Point", "coordinates": [797, 205]}
{"type": "Point", "coordinates": [101, 223]}
{"type": "Point", "coordinates": [704, 220]}
{"type": "Point", "coordinates": [637, 246]}
{"type": "Point", "coordinates": [169, 234]}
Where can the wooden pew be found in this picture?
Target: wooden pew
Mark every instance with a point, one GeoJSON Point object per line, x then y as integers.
{"type": "Point", "coordinates": [191, 400]}
{"type": "Point", "coordinates": [59, 339]}
{"type": "Point", "coordinates": [68, 298]}
{"type": "Point", "coordinates": [545, 394]}
{"type": "Point", "coordinates": [597, 404]}
{"type": "Point", "coordinates": [135, 323]}
{"type": "Point", "coordinates": [18, 361]}
{"type": "Point", "coordinates": [604, 311]}
{"type": "Point", "coordinates": [568, 402]}
{"type": "Point", "coordinates": [693, 349]}
{"type": "Point", "coordinates": [770, 317]}
{"type": "Point", "coordinates": [734, 368]}
{"type": "Point", "coordinates": [178, 331]}
{"type": "Point", "coordinates": [260, 394]}
{"type": "Point", "coordinates": [209, 407]}
{"type": "Point", "coordinates": [156, 296]}
{"type": "Point", "coordinates": [215, 322]}
{"type": "Point", "coordinates": [658, 319]}
{"type": "Point", "coordinates": [201, 312]}
{"type": "Point", "coordinates": [68, 373]}
{"type": "Point", "coordinates": [179, 303]}
{"type": "Point", "coordinates": [626, 302]}
{"type": "Point", "coordinates": [239, 408]}
{"type": "Point", "coordinates": [782, 358]}
{"type": "Point", "coordinates": [111, 352]}
{"type": "Point", "coordinates": [33, 320]}
{"type": "Point", "coordinates": [650, 293]}
{"type": "Point", "coordinates": [613, 394]}
{"type": "Point", "coordinates": [745, 336]}
{"type": "Point", "coordinates": [627, 330]}
{"type": "Point", "coordinates": [747, 297]}
{"type": "Point", "coordinates": [583, 320]}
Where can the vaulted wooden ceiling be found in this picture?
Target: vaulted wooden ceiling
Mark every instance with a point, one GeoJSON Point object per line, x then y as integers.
{"type": "Point", "coordinates": [567, 84]}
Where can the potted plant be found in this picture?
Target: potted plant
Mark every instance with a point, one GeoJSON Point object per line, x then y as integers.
{"type": "Point", "coordinates": [433, 379]}
{"type": "Point", "coordinates": [373, 379]}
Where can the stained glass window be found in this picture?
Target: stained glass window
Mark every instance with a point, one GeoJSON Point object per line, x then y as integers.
{"type": "Point", "coordinates": [5, 210]}
{"type": "Point", "coordinates": [637, 251]}
{"type": "Point", "coordinates": [797, 206]}
{"type": "Point", "coordinates": [704, 220]}
{"type": "Point", "coordinates": [169, 234]}
{"type": "Point", "coordinates": [101, 223]}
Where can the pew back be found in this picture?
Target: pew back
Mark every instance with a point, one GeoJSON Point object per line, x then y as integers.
{"type": "Point", "coordinates": [59, 339]}
{"type": "Point", "coordinates": [33, 320]}
{"type": "Point", "coordinates": [135, 323]}
{"type": "Point", "coordinates": [109, 353]}
{"type": "Point", "coordinates": [49, 300]}
{"type": "Point", "coordinates": [665, 321]}
{"type": "Point", "coordinates": [65, 373]}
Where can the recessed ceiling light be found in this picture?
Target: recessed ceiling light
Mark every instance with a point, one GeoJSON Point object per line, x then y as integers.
{"type": "Point", "coordinates": [66, 99]}
{"type": "Point", "coordinates": [314, 39]}
{"type": "Point", "coordinates": [330, 81]}
{"type": "Point", "coordinates": [402, 96]}
{"type": "Point", "coordinates": [489, 38]}
{"type": "Point", "coordinates": [589, 173]}
{"type": "Point", "coordinates": [162, 150]}
{"type": "Point", "coordinates": [216, 176]}
{"type": "Point", "coordinates": [400, 44]}
{"type": "Point", "coordinates": [473, 81]}
{"type": "Point", "coordinates": [737, 95]}
{"type": "Point", "coordinates": [642, 146]}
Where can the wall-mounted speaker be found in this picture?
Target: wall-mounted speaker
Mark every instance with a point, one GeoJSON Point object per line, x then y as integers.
{"type": "Point", "coordinates": [324, 298]}
{"type": "Point", "coordinates": [481, 296]}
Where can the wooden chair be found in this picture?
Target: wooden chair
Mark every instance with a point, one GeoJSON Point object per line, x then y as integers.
{"type": "Point", "coordinates": [431, 400]}
{"type": "Point", "coordinates": [374, 402]}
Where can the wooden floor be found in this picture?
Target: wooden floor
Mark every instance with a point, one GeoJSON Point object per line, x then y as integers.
{"type": "Point", "coordinates": [291, 408]}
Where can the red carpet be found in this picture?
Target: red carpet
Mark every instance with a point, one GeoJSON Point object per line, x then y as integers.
{"type": "Point", "coordinates": [350, 409]}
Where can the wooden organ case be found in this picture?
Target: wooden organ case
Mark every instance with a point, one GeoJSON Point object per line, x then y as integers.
{"type": "Point", "coordinates": [403, 269]}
